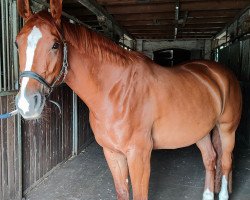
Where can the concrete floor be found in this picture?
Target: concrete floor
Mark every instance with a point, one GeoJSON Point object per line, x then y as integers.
{"type": "Point", "coordinates": [176, 175]}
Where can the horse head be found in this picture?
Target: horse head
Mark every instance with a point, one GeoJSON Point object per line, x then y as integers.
{"type": "Point", "coordinates": [42, 57]}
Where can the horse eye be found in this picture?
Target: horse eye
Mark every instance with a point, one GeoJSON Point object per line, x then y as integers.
{"type": "Point", "coordinates": [56, 45]}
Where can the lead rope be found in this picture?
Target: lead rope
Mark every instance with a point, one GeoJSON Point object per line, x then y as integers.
{"type": "Point", "coordinates": [57, 105]}
{"type": "Point", "coordinates": [8, 115]}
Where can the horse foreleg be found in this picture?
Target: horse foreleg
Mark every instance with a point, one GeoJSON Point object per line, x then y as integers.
{"type": "Point", "coordinates": [119, 168]}
{"type": "Point", "coordinates": [209, 160]}
{"type": "Point", "coordinates": [139, 170]}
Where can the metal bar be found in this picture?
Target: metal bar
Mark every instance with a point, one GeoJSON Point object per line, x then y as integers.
{"type": "Point", "coordinates": [3, 75]}
{"type": "Point", "coordinates": [19, 139]}
{"type": "Point", "coordinates": [177, 10]}
{"type": "Point", "coordinates": [75, 126]}
{"type": "Point", "coordinates": [14, 34]}
{"type": "Point", "coordinates": [1, 56]}
{"type": "Point", "coordinates": [94, 7]}
{"type": "Point", "coordinates": [7, 44]}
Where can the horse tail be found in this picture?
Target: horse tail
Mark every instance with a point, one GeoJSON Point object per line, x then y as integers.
{"type": "Point", "coordinates": [217, 146]}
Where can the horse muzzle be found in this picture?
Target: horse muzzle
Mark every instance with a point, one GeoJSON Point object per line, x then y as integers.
{"type": "Point", "coordinates": [30, 106]}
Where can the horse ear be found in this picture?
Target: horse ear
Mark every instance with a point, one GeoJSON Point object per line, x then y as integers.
{"type": "Point", "coordinates": [24, 9]}
{"type": "Point", "coordinates": [56, 10]}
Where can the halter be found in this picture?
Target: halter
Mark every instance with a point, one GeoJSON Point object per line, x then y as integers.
{"type": "Point", "coordinates": [63, 72]}
{"type": "Point", "coordinates": [62, 75]}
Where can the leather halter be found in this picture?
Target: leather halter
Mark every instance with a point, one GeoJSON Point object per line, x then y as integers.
{"type": "Point", "coordinates": [62, 74]}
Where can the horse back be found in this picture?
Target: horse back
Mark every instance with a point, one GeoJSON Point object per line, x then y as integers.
{"type": "Point", "coordinates": [190, 99]}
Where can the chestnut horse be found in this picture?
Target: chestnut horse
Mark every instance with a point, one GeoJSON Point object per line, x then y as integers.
{"type": "Point", "coordinates": [135, 105]}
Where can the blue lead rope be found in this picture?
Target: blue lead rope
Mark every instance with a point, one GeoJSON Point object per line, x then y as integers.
{"type": "Point", "coordinates": [7, 115]}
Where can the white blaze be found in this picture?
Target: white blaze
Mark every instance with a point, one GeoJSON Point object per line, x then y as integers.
{"type": "Point", "coordinates": [33, 38]}
{"type": "Point", "coordinates": [224, 192]}
{"type": "Point", "coordinates": [208, 195]}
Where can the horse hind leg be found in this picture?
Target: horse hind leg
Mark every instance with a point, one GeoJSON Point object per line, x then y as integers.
{"type": "Point", "coordinates": [217, 146]}
{"type": "Point", "coordinates": [209, 159]}
{"type": "Point", "coordinates": [227, 135]}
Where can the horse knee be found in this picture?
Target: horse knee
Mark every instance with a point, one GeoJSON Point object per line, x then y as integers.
{"type": "Point", "coordinates": [210, 161]}
{"type": "Point", "coordinates": [226, 162]}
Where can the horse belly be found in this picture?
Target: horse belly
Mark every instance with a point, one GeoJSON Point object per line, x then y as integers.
{"type": "Point", "coordinates": [171, 134]}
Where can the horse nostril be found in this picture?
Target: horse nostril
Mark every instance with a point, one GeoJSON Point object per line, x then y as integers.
{"type": "Point", "coordinates": [35, 99]}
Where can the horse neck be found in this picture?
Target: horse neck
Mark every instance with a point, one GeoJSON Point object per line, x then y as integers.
{"type": "Point", "coordinates": [92, 79]}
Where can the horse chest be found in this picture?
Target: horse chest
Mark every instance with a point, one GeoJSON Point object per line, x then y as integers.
{"type": "Point", "coordinates": [110, 135]}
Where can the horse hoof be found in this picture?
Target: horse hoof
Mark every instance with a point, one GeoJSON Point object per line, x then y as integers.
{"type": "Point", "coordinates": [207, 195]}
{"type": "Point", "coordinates": [223, 196]}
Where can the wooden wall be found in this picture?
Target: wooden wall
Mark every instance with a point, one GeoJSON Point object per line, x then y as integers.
{"type": "Point", "coordinates": [47, 141]}
{"type": "Point", "coordinates": [85, 134]}
{"type": "Point", "coordinates": [10, 157]}
{"type": "Point", "coordinates": [25, 159]}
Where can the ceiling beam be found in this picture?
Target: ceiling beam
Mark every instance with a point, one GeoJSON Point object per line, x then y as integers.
{"type": "Point", "coordinates": [171, 21]}
{"type": "Point", "coordinates": [214, 30]}
{"type": "Point", "coordinates": [203, 22]}
{"type": "Point", "coordinates": [188, 26]}
{"type": "Point", "coordinates": [185, 6]}
{"type": "Point", "coordinates": [170, 15]}
{"type": "Point", "coordinates": [148, 22]}
{"type": "Point", "coordinates": [144, 16]}
{"type": "Point", "coordinates": [94, 7]}
{"type": "Point", "coordinates": [125, 2]}
{"type": "Point", "coordinates": [184, 32]}
{"type": "Point", "coordinates": [213, 13]}
{"type": "Point", "coordinates": [171, 36]}
{"type": "Point", "coordinates": [208, 20]}
{"type": "Point", "coordinates": [78, 11]}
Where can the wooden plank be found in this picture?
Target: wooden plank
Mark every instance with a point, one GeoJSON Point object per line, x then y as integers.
{"type": "Point", "coordinates": [170, 7]}
{"type": "Point", "coordinates": [9, 157]}
{"type": "Point", "coordinates": [171, 15]}
{"type": "Point", "coordinates": [85, 134]}
{"type": "Point", "coordinates": [171, 32]}
{"type": "Point", "coordinates": [48, 139]}
{"type": "Point", "coordinates": [132, 2]}
{"type": "Point", "coordinates": [193, 26]}
{"type": "Point", "coordinates": [144, 16]}
{"type": "Point", "coordinates": [146, 22]}
{"type": "Point", "coordinates": [214, 13]}
{"type": "Point", "coordinates": [219, 20]}
{"type": "Point", "coordinates": [98, 10]}
{"type": "Point", "coordinates": [245, 70]}
{"type": "Point", "coordinates": [164, 36]}
{"type": "Point", "coordinates": [10, 154]}
{"type": "Point", "coordinates": [162, 28]}
{"type": "Point", "coordinates": [1, 150]}
{"type": "Point", "coordinates": [204, 22]}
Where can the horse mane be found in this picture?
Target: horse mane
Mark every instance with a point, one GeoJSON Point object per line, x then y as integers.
{"type": "Point", "coordinates": [91, 43]}
{"type": "Point", "coordinates": [94, 44]}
